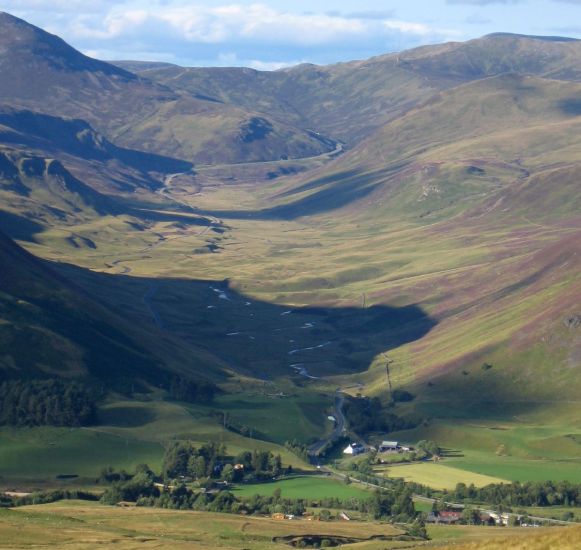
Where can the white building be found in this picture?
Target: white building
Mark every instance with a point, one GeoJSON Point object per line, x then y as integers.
{"type": "Point", "coordinates": [354, 449]}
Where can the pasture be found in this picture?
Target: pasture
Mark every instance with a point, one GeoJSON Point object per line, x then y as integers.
{"type": "Point", "coordinates": [78, 525]}
{"type": "Point", "coordinates": [130, 433]}
{"type": "Point", "coordinates": [308, 487]}
{"type": "Point", "coordinates": [436, 475]}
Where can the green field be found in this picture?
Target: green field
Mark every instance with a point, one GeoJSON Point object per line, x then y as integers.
{"type": "Point", "coordinates": [131, 433]}
{"type": "Point", "coordinates": [523, 447]}
{"type": "Point", "coordinates": [305, 487]}
{"type": "Point", "coordinates": [437, 476]}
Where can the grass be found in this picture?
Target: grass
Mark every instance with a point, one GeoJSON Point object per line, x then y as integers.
{"type": "Point", "coordinates": [131, 433]}
{"type": "Point", "coordinates": [44, 453]}
{"type": "Point", "coordinates": [82, 525]}
{"type": "Point", "coordinates": [563, 539]}
{"type": "Point", "coordinates": [522, 447]}
{"type": "Point", "coordinates": [79, 525]}
{"type": "Point", "coordinates": [437, 476]}
{"type": "Point", "coordinates": [305, 487]}
{"type": "Point", "coordinates": [279, 419]}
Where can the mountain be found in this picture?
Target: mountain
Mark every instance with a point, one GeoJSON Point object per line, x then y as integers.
{"type": "Point", "coordinates": [348, 101]}
{"type": "Point", "coordinates": [41, 73]}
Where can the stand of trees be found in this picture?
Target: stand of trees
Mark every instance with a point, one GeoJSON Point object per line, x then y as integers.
{"type": "Point", "coordinates": [298, 448]}
{"type": "Point", "coordinates": [45, 497]}
{"type": "Point", "coordinates": [46, 403]}
{"type": "Point", "coordinates": [542, 493]}
{"type": "Point", "coordinates": [189, 391]}
{"type": "Point", "coordinates": [368, 415]}
{"type": "Point", "coordinates": [182, 459]}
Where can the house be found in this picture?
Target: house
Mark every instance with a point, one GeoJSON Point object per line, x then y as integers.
{"type": "Point", "coordinates": [354, 449]}
{"type": "Point", "coordinates": [500, 519]}
{"type": "Point", "coordinates": [389, 447]}
{"type": "Point", "coordinates": [447, 518]}
{"type": "Point", "coordinates": [278, 516]}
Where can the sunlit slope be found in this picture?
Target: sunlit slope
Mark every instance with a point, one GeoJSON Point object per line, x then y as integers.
{"type": "Point", "coordinates": [552, 57]}
{"type": "Point", "coordinates": [463, 145]}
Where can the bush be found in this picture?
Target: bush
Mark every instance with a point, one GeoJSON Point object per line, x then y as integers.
{"type": "Point", "coordinates": [402, 396]}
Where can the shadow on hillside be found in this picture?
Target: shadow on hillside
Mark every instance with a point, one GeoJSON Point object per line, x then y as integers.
{"type": "Point", "coordinates": [327, 193]}
{"type": "Point", "coordinates": [257, 337]}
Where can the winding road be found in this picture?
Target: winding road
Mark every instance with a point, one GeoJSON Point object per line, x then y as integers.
{"type": "Point", "coordinates": [339, 429]}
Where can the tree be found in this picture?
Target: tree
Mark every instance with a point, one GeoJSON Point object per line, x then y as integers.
{"type": "Point", "coordinates": [471, 516]}
{"type": "Point", "coordinates": [176, 459]}
{"type": "Point", "coordinates": [228, 473]}
{"type": "Point", "coordinates": [418, 529]}
{"type": "Point", "coordinates": [197, 466]}
{"type": "Point", "coordinates": [380, 505]}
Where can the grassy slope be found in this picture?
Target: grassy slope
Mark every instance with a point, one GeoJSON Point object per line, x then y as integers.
{"type": "Point", "coordinates": [52, 327]}
{"type": "Point", "coordinates": [567, 539]}
{"type": "Point", "coordinates": [81, 525]}
{"type": "Point", "coordinates": [129, 433]}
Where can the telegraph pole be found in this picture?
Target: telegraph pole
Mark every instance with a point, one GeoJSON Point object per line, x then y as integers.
{"type": "Point", "coordinates": [388, 362]}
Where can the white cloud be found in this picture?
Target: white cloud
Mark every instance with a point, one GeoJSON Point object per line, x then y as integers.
{"type": "Point", "coordinates": [231, 59]}
{"type": "Point", "coordinates": [236, 22]}
{"type": "Point", "coordinates": [57, 6]}
{"type": "Point", "coordinates": [197, 32]}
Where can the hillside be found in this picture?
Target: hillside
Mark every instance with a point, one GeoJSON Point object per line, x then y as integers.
{"type": "Point", "coordinates": [50, 327]}
{"type": "Point", "coordinates": [348, 101]}
{"type": "Point", "coordinates": [474, 218]}
{"type": "Point", "coordinates": [40, 72]}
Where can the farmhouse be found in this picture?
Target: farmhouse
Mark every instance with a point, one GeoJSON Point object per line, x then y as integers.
{"type": "Point", "coordinates": [393, 447]}
{"type": "Point", "coordinates": [389, 447]}
{"type": "Point", "coordinates": [354, 449]}
{"type": "Point", "coordinates": [447, 518]}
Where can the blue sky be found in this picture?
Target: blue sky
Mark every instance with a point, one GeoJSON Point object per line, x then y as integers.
{"type": "Point", "coordinates": [276, 33]}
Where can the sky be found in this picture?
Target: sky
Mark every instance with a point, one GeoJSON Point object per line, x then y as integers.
{"type": "Point", "coordinates": [268, 35]}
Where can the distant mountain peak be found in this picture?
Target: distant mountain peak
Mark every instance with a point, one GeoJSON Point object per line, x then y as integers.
{"type": "Point", "coordinates": [530, 37]}
{"type": "Point", "coordinates": [20, 41]}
